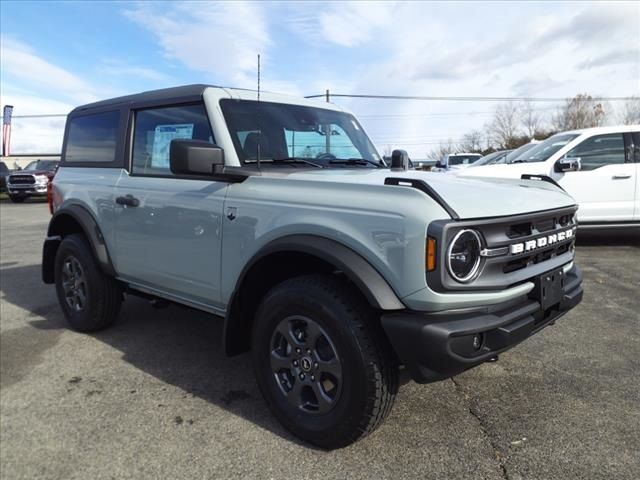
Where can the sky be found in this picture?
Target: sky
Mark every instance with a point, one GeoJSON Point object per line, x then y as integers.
{"type": "Point", "coordinates": [57, 55]}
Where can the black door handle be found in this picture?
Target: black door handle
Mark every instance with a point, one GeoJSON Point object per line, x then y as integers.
{"type": "Point", "coordinates": [128, 201]}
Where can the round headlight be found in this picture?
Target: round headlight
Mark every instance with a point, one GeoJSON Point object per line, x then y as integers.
{"type": "Point", "coordinates": [463, 256]}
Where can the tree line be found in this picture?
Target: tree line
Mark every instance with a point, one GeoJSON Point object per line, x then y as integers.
{"type": "Point", "coordinates": [516, 123]}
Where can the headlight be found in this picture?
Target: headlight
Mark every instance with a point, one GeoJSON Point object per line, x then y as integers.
{"type": "Point", "coordinates": [463, 256]}
{"type": "Point", "coordinates": [42, 179]}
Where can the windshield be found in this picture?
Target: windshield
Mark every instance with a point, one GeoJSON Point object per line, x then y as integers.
{"type": "Point", "coordinates": [491, 158]}
{"type": "Point", "coordinates": [319, 136]}
{"type": "Point", "coordinates": [543, 150]}
{"type": "Point", "coordinates": [463, 159]}
{"type": "Point", "coordinates": [42, 165]}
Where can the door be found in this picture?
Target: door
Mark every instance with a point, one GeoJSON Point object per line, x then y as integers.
{"type": "Point", "coordinates": [169, 229]}
{"type": "Point", "coordinates": [605, 184]}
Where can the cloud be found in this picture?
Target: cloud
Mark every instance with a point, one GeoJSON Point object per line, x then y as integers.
{"type": "Point", "coordinates": [21, 63]}
{"type": "Point", "coordinates": [221, 40]}
{"type": "Point", "coordinates": [614, 57]}
{"type": "Point", "coordinates": [346, 24]}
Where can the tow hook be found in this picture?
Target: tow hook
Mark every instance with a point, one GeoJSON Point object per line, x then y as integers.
{"type": "Point", "coordinates": [493, 359]}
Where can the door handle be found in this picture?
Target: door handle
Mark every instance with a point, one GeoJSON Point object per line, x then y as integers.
{"type": "Point", "coordinates": [128, 201]}
{"type": "Point", "coordinates": [620, 177]}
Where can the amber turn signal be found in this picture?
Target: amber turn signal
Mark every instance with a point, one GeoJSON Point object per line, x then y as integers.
{"type": "Point", "coordinates": [431, 254]}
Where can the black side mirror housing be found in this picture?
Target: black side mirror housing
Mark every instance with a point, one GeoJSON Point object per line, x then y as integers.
{"type": "Point", "coordinates": [439, 164]}
{"type": "Point", "coordinates": [399, 161]}
{"type": "Point", "coordinates": [195, 157]}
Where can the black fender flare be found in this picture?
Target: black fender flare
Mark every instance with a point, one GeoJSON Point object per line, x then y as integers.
{"type": "Point", "coordinates": [357, 269]}
{"type": "Point", "coordinates": [59, 227]}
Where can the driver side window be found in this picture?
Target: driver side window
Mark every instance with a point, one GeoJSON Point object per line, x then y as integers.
{"type": "Point", "coordinates": [598, 151]}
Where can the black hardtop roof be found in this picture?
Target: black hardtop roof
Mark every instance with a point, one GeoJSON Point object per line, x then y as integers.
{"type": "Point", "coordinates": [186, 92]}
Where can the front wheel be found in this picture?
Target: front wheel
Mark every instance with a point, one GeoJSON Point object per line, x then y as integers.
{"type": "Point", "coordinates": [17, 198]}
{"type": "Point", "coordinates": [322, 361]}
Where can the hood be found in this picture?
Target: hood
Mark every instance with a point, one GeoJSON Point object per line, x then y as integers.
{"type": "Point", "coordinates": [469, 197]}
{"type": "Point", "coordinates": [34, 172]}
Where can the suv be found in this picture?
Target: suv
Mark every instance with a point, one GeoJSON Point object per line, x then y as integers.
{"type": "Point", "coordinates": [32, 181]}
{"type": "Point", "coordinates": [599, 167]}
{"type": "Point", "coordinates": [279, 217]}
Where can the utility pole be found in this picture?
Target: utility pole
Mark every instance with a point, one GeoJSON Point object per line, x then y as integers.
{"type": "Point", "coordinates": [327, 132]}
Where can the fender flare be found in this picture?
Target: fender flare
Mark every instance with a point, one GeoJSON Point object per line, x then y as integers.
{"type": "Point", "coordinates": [366, 278]}
{"type": "Point", "coordinates": [89, 227]}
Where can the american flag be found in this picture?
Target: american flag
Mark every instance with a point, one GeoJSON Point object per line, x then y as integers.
{"type": "Point", "coordinates": [7, 111]}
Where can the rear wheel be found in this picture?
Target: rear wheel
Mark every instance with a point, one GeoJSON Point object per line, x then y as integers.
{"type": "Point", "coordinates": [322, 361]}
{"type": "Point", "coordinates": [17, 198]}
{"type": "Point", "coordinates": [89, 299]}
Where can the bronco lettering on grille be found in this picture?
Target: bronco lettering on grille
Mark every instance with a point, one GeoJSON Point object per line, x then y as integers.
{"type": "Point", "coordinates": [541, 242]}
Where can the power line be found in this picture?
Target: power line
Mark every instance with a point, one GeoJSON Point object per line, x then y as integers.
{"type": "Point", "coordinates": [49, 115]}
{"type": "Point", "coordinates": [469, 99]}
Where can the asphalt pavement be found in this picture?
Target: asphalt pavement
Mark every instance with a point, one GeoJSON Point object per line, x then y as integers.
{"type": "Point", "coordinates": [155, 397]}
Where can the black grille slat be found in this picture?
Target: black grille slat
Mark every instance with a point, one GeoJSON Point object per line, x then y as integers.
{"type": "Point", "coordinates": [22, 179]}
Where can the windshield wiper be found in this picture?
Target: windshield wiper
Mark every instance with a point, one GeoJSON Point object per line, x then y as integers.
{"type": "Point", "coordinates": [354, 161]}
{"type": "Point", "coordinates": [291, 160]}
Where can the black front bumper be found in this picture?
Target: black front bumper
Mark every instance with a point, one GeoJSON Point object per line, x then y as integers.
{"type": "Point", "coordinates": [435, 346]}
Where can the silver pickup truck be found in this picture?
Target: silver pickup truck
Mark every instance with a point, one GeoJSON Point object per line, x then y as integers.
{"type": "Point", "coordinates": [332, 268]}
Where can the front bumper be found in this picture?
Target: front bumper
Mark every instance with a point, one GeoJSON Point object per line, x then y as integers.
{"type": "Point", "coordinates": [440, 345]}
{"type": "Point", "coordinates": [32, 190]}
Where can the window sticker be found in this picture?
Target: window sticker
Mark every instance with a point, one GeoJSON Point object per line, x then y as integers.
{"type": "Point", "coordinates": [162, 139]}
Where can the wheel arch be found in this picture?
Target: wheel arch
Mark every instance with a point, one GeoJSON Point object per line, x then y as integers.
{"type": "Point", "coordinates": [292, 256]}
{"type": "Point", "coordinates": [68, 220]}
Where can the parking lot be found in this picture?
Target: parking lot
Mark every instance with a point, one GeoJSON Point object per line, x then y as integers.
{"type": "Point", "coordinates": [154, 397]}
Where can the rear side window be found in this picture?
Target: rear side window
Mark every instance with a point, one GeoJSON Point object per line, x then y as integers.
{"type": "Point", "coordinates": [156, 127]}
{"type": "Point", "coordinates": [92, 138]}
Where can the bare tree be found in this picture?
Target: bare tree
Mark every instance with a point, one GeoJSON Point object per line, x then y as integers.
{"type": "Point", "coordinates": [630, 114]}
{"type": "Point", "coordinates": [530, 118]}
{"type": "Point", "coordinates": [580, 111]}
{"type": "Point", "coordinates": [503, 129]}
{"type": "Point", "coordinates": [443, 149]}
{"type": "Point", "coordinates": [472, 141]}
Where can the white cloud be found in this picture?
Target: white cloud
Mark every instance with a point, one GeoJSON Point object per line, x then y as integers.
{"type": "Point", "coordinates": [221, 40]}
{"type": "Point", "coordinates": [20, 62]}
{"type": "Point", "coordinates": [345, 23]}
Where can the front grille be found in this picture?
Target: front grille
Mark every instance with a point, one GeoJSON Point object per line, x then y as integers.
{"type": "Point", "coordinates": [22, 179]}
{"type": "Point", "coordinates": [517, 248]}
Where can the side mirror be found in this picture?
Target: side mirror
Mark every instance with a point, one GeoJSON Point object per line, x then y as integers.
{"type": "Point", "coordinates": [399, 161]}
{"type": "Point", "coordinates": [567, 164]}
{"type": "Point", "coordinates": [194, 157]}
{"type": "Point", "coordinates": [439, 164]}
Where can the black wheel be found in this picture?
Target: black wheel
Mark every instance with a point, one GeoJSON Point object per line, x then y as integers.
{"type": "Point", "coordinates": [17, 198]}
{"type": "Point", "coordinates": [322, 361]}
{"type": "Point", "coordinates": [89, 299]}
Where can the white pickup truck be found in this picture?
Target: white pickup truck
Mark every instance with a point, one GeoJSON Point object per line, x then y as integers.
{"type": "Point", "coordinates": [599, 167]}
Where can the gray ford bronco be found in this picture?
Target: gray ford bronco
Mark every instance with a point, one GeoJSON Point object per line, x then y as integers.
{"type": "Point", "coordinates": [279, 216]}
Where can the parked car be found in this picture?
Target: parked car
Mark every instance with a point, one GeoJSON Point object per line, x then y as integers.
{"type": "Point", "coordinates": [31, 181]}
{"type": "Point", "coordinates": [491, 158]}
{"type": "Point", "coordinates": [331, 269]}
{"type": "Point", "coordinates": [514, 154]}
{"type": "Point", "coordinates": [4, 172]}
{"type": "Point", "coordinates": [597, 166]}
{"type": "Point", "coordinates": [455, 161]}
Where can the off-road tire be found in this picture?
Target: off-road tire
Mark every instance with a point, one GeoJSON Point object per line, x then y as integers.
{"type": "Point", "coordinates": [368, 365]}
{"type": "Point", "coordinates": [17, 198]}
{"type": "Point", "coordinates": [103, 293]}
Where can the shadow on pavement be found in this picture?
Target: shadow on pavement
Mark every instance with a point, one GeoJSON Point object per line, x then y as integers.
{"type": "Point", "coordinates": [177, 345]}
{"type": "Point", "coordinates": [609, 237]}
